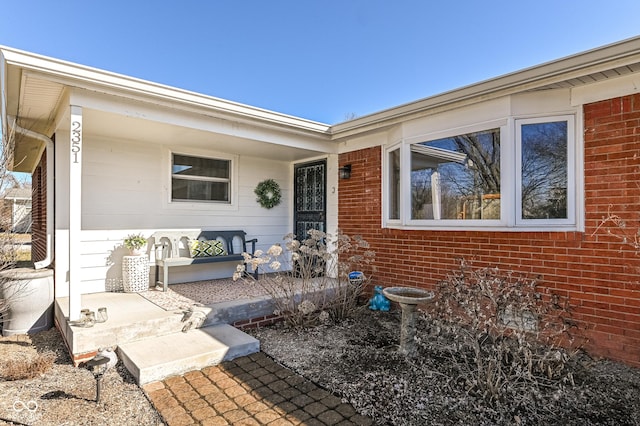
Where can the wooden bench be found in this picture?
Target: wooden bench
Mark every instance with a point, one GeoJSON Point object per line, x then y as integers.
{"type": "Point", "coordinates": [172, 249]}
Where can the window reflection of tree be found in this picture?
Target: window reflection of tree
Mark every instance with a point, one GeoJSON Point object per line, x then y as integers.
{"type": "Point", "coordinates": [422, 195]}
{"type": "Point", "coordinates": [394, 184]}
{"type": "Point", "coordinates": [457, 178]}
{"type": "Point", "coordinates": [544, 170]}
{"type": "Point", "coordinates": [483, 150]}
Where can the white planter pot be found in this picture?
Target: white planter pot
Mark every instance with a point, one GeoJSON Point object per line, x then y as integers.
{"type": "Point", "coordinates": [135, 274]}
{"type": "Point", "coordinates": [29, 296]}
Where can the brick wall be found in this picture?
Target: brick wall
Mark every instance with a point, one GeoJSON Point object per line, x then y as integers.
{"type": "Point", "coordinates": [39, 211]}
{"type": "Point", "coordinates": [597, 271]}
{"type": "Point", "coordinates": [261, 321]}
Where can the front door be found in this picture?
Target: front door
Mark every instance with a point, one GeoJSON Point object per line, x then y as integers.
{"type": "Point", "coordinates": [310, 198]}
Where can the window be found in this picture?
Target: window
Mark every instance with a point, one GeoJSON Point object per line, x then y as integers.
{"type": "Point", "coordinates": [457, 177]}
{"type": "Point", "coordinates": [519, 173]}
{"type": "Point", "coordinates": [200, 179]}
{"type": "Point", "coordinates": [394, 184]}
{"type": "Point", "coordinates": [543, 174]}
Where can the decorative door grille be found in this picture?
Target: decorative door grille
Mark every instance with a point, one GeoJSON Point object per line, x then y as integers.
{"type": "Point", "coordinates": [310, 198]}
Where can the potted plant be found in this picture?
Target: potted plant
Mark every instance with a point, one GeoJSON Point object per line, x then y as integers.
{"type": "Point", "coordinates": [135, 242]}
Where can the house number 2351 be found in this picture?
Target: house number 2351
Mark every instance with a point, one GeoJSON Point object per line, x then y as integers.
{"type": "Point", "coordinates": [76, 139]}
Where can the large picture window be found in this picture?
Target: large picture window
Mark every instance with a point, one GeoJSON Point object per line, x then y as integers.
{"type": "Point", "coordinates": [457, 177]}
{"type": "Point", "coordinates": [200, 179]}
{"type": "Point", "coordinates": [518, 174]}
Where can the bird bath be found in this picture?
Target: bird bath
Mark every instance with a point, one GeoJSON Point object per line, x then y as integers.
{"type": "Point", "coordinates": [408, 298]}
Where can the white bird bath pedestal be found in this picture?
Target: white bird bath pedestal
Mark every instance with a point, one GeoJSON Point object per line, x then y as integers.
{"type": "Point", "coordinates": [408, 298]}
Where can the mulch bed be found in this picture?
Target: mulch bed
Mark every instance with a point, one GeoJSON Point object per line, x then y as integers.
{"type": "Point", "coordinates": [359, 361]}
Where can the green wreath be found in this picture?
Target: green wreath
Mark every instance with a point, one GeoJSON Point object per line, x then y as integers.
{"type": "Point", "coordinates": [268, 192]}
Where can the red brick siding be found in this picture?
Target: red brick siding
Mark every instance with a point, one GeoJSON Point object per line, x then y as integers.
{"type": "Point", "coordinates": [597, 272]}
{"type": "Point", "coordinates": [258, 322]}
{"type": "Point", "coordinates": [39, 211]}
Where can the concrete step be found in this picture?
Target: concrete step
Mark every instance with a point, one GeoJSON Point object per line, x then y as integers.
{"type": "Point", "coordinates": [157, 358]}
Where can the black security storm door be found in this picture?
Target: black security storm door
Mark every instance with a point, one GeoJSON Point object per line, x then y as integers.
{"type": "Point", "coordinates": [310, 198]}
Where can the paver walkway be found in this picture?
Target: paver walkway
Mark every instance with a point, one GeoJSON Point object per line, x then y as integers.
{"type": "Point", "coordinates": [251, 390]}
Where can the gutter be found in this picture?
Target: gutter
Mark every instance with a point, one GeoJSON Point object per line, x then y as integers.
{"type": "Point", "coordinates": [48, 260]}
{"type": "Point", "coordinates": [92, 77]}
{"type": "Point", "coordinates": [598, 60]}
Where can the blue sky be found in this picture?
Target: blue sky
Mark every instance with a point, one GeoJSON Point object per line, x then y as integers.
{"type": "Point", "coordinates": [323, 60]}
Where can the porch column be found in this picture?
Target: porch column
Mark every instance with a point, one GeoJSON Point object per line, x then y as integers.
{"type": "Point", "coordinates": [75, 211]}
{"type": "Point", "coordinates": [435, 195]}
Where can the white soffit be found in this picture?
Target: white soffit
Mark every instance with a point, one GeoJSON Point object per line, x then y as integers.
{"type": "Point", "coordinates": [39, 101]}
{"type": "Point", "coordinates": [593, 78]}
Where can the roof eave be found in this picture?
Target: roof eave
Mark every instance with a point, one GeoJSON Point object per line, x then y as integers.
{"type": "Point", "coordinates": [93, 77]}
{"type": "Point", "coordinates": [599, 59]}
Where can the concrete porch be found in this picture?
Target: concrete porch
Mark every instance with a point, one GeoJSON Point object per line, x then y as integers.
{"type": "Point", "coordinates": [141, 330]}
{"type": "Point", "coordinates": [158, 334]}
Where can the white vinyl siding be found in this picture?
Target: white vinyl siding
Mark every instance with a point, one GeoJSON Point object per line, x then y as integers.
{"type": "Point", "coordinates": [126, 189]}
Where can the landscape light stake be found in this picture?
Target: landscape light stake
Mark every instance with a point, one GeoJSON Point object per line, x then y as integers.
{"type": "Point", "coordinates": [98, 366]}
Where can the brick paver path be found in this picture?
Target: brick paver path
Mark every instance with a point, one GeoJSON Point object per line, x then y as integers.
{"type": "Point", "coordinates": [251, 390]}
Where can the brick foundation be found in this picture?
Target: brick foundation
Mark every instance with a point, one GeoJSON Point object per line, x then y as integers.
{"type": "Point", "coordinates": [257, 322]}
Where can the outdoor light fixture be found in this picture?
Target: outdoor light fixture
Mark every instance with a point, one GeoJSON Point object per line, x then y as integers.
{"type": "Point", "coordinates": [345, 171]}
{"type": "Point", "coordinates": [98, 366]}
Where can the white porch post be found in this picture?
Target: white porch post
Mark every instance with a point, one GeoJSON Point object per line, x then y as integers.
{"type": "Point", "coordinates": [435, 195]}
{"type": "Point", "coordinates": [75, 211]}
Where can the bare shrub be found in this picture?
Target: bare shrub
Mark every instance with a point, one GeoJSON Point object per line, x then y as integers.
{"type": "Point", "coordinates": [27, 368]}
{"type": "Point", "coordinates": [8, 244]}
{"type": "Point", "coordinates": [617, 227]}
{"type": "Point", "coordinates": [10, 248]}
{"type": "Point", "coordinates": [508, 336]}
{"type": "Point", "coordinates": [309, 280]}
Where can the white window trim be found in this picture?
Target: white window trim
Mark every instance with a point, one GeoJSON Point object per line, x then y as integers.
{"type": "Point", "coordinates": [509, 187]}
{"type": "Point", "coordinates": [386, 221]}
{"type": "Point", "coordinates": [169, 203]}
{"type": "Point", "coordinates": [571, 173]}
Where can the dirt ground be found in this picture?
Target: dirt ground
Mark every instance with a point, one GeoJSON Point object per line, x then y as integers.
{"type": "Point", "coordinates": [66, 395]}
{"type": "Point", "coordinates": [359, 361]}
